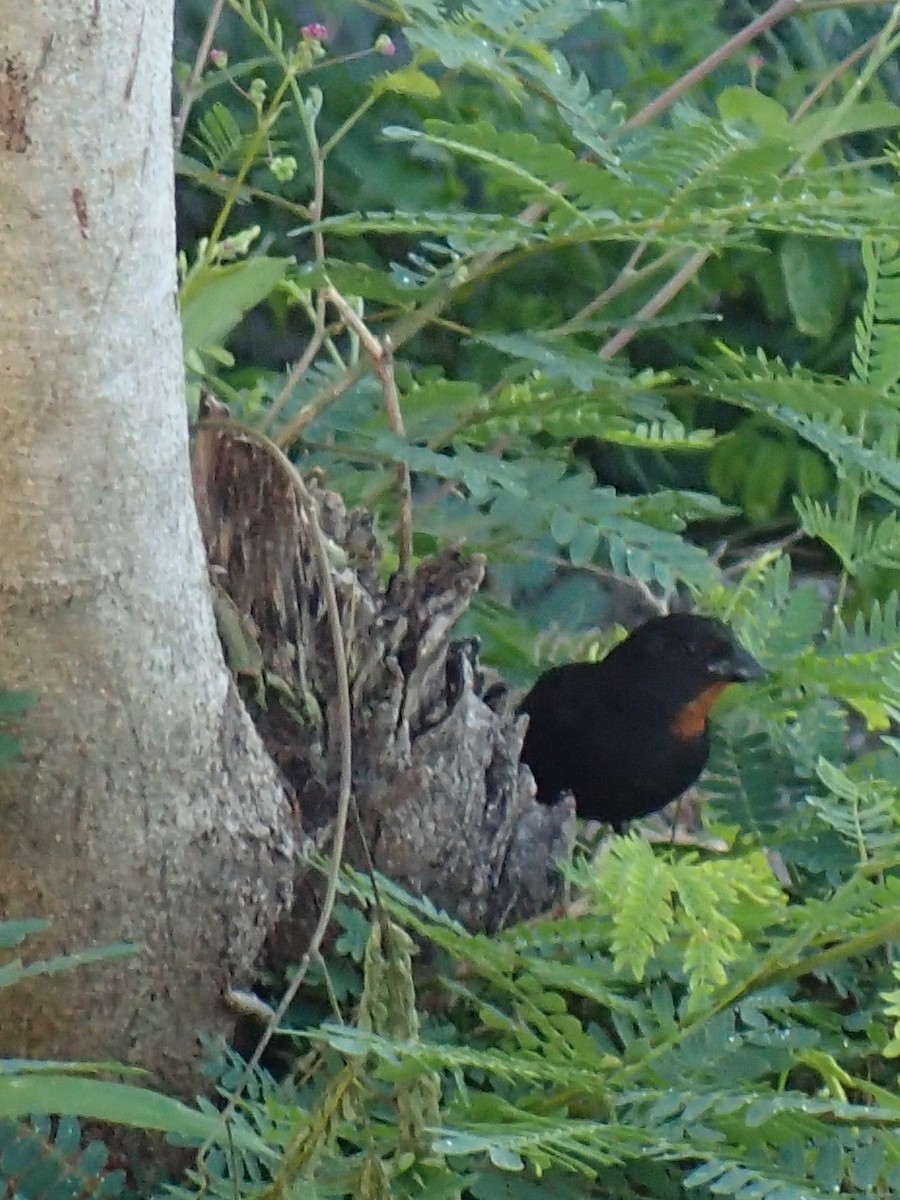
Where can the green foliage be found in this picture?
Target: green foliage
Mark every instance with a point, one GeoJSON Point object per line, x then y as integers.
{"type": "Point", "coordinates": [700, 904]}
{"type": "Point", "coordinates": [556, 1052]}
{"type": "Point", "coordinates": [40, 1160]}
{"type": "Point", "coordinates": [215, 298]}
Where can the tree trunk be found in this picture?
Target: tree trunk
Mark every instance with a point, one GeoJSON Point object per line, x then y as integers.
{"type": "Point", "coordinates": [145, 808]}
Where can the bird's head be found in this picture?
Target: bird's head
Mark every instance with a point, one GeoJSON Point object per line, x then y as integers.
{"type": "Point", "coordinates": [688, 660]}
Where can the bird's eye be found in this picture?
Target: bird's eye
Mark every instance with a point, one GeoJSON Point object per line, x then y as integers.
{"type": "Point", "coordinates": [707, 650]}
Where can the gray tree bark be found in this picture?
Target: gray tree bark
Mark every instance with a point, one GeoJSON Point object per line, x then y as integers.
{"type": "Point", "coordinates": [145, 808]}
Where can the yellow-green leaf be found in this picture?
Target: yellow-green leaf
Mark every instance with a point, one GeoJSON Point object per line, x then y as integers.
{"type": "Point", "coordinates": [408, 81]}
{"type": "Point", "coordinates": [747, 104]}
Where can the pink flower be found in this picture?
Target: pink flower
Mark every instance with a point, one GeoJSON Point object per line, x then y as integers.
{"type": "Point", "coordinates": [385, 45]}
{"type": "Point", "coordinates": [314, 32]}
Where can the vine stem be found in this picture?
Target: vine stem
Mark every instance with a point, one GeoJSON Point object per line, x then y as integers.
{"type": "Point", "coordinates": [656, 303]}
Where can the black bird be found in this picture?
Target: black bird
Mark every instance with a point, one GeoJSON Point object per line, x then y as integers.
{"type": "Point", "coordinates": [630, 733]}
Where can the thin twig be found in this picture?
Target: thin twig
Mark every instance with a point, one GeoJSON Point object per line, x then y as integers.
{"type": "Point", "coordinates": [828, 5]}
{"type": "Point", "coordinates": [294, 429]}
{"type": "Point", "coordinates": [385, 370]}
{"type": "Point", "coordinates": [381, 354]}
{"type": "Point", "coordinates": [197, 70]}
{"type": "Point", "coordinates": [670, 289]}
{"type": "Point", "coordinates": [342, 130]}
{"type": "Point", "coordinates": [300, 367]}
{"type": "Point", "coordinates": [687, 272]}
{"type": "Point", "coordinates": [626, 278]}
{"type": "Point", "coordinates": [777, 12]}
{"type": "Point", "coordinates": [658, 301]}
{"type": "Point", "coordinates": [323, 564]}
{"type": "Point", "coordinates": [835, 73]}
{"type": "Point", "coordinates": [316, 207]}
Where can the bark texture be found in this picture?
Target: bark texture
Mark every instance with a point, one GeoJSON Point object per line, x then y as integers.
{"type": "Point", "coordinates": [145, 808]}
{"type": "Point", "coordinates": [445, 807]}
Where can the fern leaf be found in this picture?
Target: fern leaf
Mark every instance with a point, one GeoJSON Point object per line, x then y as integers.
{"type": "Point", "coordinates": [219, 137]}
{"type": "Point", "coordinates": [536, 170]}
{"type": "Point", "coordinates": [637, 887]}
{"type": "Point", "coordinates": [876, 355]}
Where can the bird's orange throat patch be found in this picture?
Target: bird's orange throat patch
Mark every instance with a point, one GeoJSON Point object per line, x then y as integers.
{"type": "Point", "coordinates": [690, 721]}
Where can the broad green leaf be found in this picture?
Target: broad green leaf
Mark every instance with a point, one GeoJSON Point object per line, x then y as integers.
{"type": "Point", "coordinates": [215, 298]}
{"type": "Point", "coordinates": [747, 104]}
{"type": "Point", "coordinates": [408, 81]}
{"type": "Point", "coordinates": [811, 131]}
{"type": "Point", "coordinates": [815, 282]}
{"type": "Point", "coordinates": [120, 1104]}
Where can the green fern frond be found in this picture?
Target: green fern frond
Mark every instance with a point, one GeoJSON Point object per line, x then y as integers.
{"type": "Point", "coordinates": [11, 972]}
{"type": "Point", "coordinates": [44, 1160]}
{"type": "Point", "coordinates": [469, 233]}
{"type": "Point", "coordinates": [512, 1137]}
{"type": "Point", "coordinates": [665, 435]}
{"type": "Point", "coordinates": [531, 1067]}
{"type": "Point", "coordinates": [759, 382]}
{"type": "Point", "coordinates": [858, 544]}
{"type": "Point", "coordinates": [864, 812]}
{"type": "Point", "coordinates": [536, 20]}
{"type": "Point", "coordinates": [517, 497]}
{"type": "Point", "coordinates": [699, 905]}
{"type": "Point", "coordinates": [480, 36]}
{"type": "Point", "coordinates": [743, 781]}
{"type": "Point", "coordinates": [730, 1177]}
{"type": "Point", "coordinates": [591, 117]}
{"type": "Point", "coordinates": [775, 617]}
{"type": "Point", "coordinates": [534, 170]}
{"type": "Point", "coordinates": [880, 624]}
{"type": "Point", "coordinates": [891, 1001]}
{"type": "Point", "coordinates": [636, 888]}
{"type": "Point", "coordinates": [219, 138]}
{"type": "Point", "coordinates": [880, 471]}
{"type": "Point", "coordinates": [876, 354]}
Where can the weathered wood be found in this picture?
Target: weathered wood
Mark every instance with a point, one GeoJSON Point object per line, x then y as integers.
{"type": "Point", "coordinates": [445, 808]}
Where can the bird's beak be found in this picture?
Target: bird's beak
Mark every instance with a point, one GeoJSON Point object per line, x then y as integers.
{"type": "Point", "coordinates": [737, 666]}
